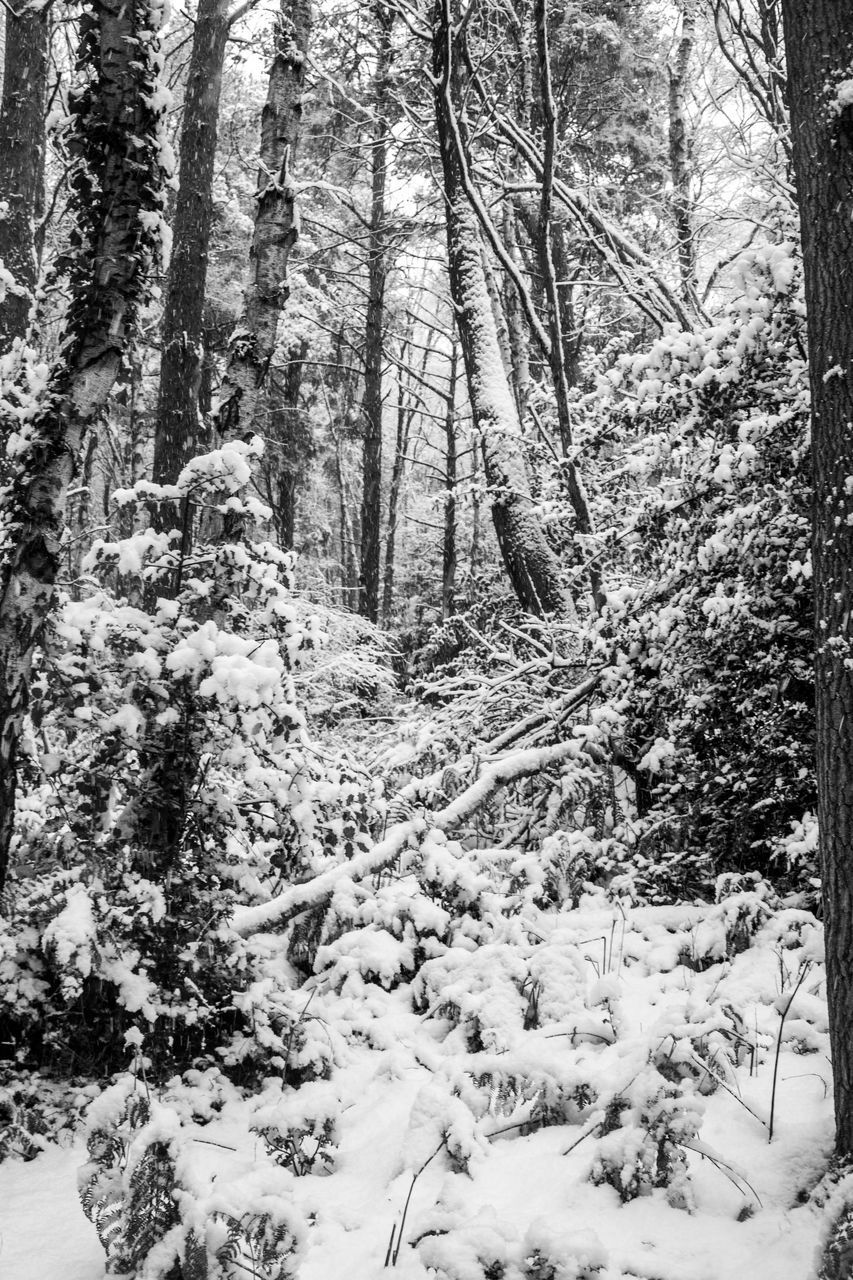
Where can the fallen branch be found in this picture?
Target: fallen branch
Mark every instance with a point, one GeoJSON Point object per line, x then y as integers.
{"type": "Point", "coordinates": [314, 893]}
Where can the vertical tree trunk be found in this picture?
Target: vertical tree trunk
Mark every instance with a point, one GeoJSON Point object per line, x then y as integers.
{"type": "Point", "coordinates": [21, 161]}
{"type": "Point", "coordinates": [178, 430]}
{"type": "Point", "coordinates": [116, 201]}
{"type": "Point", "coordinates": [819, 43]}
{"type": "Point", "coordinates": [371, 494]}
{"type": "Point", "coordinates": [404, 419]}
{"type": "Point", "coordinates": [557, 351]}
{"type": "Point", "coordinates": [679, 155]}
{"type": "Point", "coordinates": [531, 564]}
{"type": "Point", "coordinates": [253, 342]}
{"type": "Point", "coordinates": [448, 559]}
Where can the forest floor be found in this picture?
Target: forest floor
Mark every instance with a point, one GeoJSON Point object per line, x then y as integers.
{"type": "Point", "coordinates": [586, 1097]}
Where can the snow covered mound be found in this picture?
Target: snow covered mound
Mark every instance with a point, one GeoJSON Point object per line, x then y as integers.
{"type": "Point", "coordinates": [604, 1092]}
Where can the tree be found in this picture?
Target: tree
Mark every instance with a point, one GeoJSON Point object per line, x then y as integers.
{"type": "Point", "coordinates": [116, 183]}
{"type": "Point", "coordinates": [533, 568]}
{"type": "Point", "coordinates": [377, 270]}
{"type": "Point", "coordinates": [21, 160]}
{"type": "Point", "coordinates": [253, 342]}
{"type": "Point", "coordinates": [178, 435]}
{"type": "Point", "coordinates": [819, 48]}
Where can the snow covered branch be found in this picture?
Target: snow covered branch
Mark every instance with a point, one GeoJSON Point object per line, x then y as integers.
{"type": "Point", "coordinates": [298, 898]}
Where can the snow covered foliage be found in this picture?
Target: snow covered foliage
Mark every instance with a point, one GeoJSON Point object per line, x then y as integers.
{"type": "Point", "coordinates": [712, 628]}
{"type": "Point", "coordinates": [169, 776]}
{"type": "Point", "coordinates": [536, 1071]}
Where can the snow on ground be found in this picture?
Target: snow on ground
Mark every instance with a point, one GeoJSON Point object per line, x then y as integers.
{"type": "Point", "coordinates": [43, 1234]}
{"type": "Point", "coordinates": [495, 1112]}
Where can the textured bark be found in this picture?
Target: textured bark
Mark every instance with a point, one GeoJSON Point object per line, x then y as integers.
{"type": "Point", "coordinates": [679, 155]}
{"type": "Point", "coordinates": [404, 419]}
{"type": "Point", "coordinates": [531, 564]}
{"type": "Point", "coordinates": [448, 559]}
{"type": "Point", "coordinates": [819, 43]}
{"type": "Point", "coordinates": [178, 431]}
{"type": "Point", "coordinates": [115, 178]}
{"type": "Point", "coordinates": [253, 342]}
{"type": "Point", "coordinates": [371, 493]}
{"type": "Point", "coordinates": [557, 349]}
{"type": "Point", "coordinates": [21, 162]}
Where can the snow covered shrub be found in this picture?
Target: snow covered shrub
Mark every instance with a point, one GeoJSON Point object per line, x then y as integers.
{"type": "Point", "coordinates": [713, 656]}
{"type": "Point", "coordinates": [642, 1138]}
{"type": "Point", "coordinates": [171, 776]}
{"type": "Point", "coordinates": [153, 1211]}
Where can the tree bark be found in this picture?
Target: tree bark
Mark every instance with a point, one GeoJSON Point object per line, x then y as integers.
{"type": "Point", "coordinates": [21, 162]}
{"type": "Point", "coordinates": [371, 493]}
{"type": "Point", "coordinates": [448, 559]}
{"type": "Point", "coordinates": [254, 340]}
{"type": "Point", "coordinates": [116, 200]}
{"type": "Point", "coordinates": [819, 44]}
{"type": "Point", "coordinates": [679, 155]}
{"type": "Point", "coordinates": [404, 420]}
{"type": "Point", "coordinates": [178, 430]}
{"type": "Point", "coordinates": [557, 351]}
{"type": "Point", "coordinates": [531, 564]}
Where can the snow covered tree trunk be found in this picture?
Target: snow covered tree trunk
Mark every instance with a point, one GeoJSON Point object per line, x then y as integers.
{"type": "Point", "coordinates": [178, 429]}
{"type": "Point", "coordinates": [819, 45]}
{"type": "Point", "coordinates": [253, 342]}
{"type": "Point", "coordinates": [533, 569]}
{"type": "Point", "coordinates": [116, 186]}
{"type": "Point", "coordinates": [371, 408]}
{"type": "Point", "coordinates": [21, 162]}
{"type": "Point", "coordinates": [679, 155]}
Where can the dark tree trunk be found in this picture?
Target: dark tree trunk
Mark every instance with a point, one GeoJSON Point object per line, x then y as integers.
{"type": "Point", "coordinates": [254, 340]}
{"type": "Point", "coordinates": [404, 419]}
{"type": "Point", "coordinates": [819, 43]}
{"type": "Point", "coordinates": [557, 353]}
{"type": "Point", "coordinates": [448, 560]}
{"type": "Point", "coordinates": [531, 564]}
{"type": "Point", "coordinates": [116, 188]}
{"type": "Point", "coordinates": [371, 493]}
{"type": "Point", "coordinates": [21, 162]}
{"type": "Point", "coordinates": [178, 431]}
{"type": "Point", "coordinates": [291, 443]}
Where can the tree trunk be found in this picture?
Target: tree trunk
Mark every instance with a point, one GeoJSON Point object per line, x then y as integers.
{"type": "Point", "coordinates": [557, 352]}
{"type": "Point", "coordinates": [819, 42]}
{"type": "Point", "coordinates": [531, 564]}
{"type": "Point", "coordinates": [448, 565]}
{"type": "Point", "coordinates": [679, 155]}
{"type": "Point", "coordinates": [178, 430]}
{"type": "Point", "coordinates": [21, 162]}
{"type": "Point", "coordinates": [254, 340]}
{"type": "Point", "coordinates": [404, 420]}
{"type": "Point", "coordinates": [371, 493]}
{"type": "Point", "coordinates": [116, 201]}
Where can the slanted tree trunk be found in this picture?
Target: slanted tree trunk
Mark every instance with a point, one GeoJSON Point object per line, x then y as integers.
{"type": "Point", "coordinates": [679, 155]}
{"type": "Point", "coordinates": [819, 44]}
{"type": "Point", "coordinates": [178, 430]}
{"type": "Point", "coordinates": [531, 564]}
{"type": "Point", "coordinates": [21, 161]}
{"type": "Point", "coordinates": [253, 341]}
{"type": "Point", "coordinates": [371, 493]}
{"type": "Point", "coordinates": [116, 198]}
